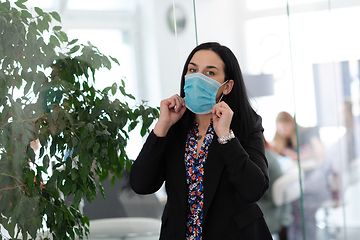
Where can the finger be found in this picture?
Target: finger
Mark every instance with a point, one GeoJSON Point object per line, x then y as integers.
{"type": "Point", "coordinates": [220, 104]}
{"type": "Point", "coordinates": [182, 101]}
{"type": "Point", "coordinates": [219, 111]}
{"type": "Point", "coordinates": [172, 101]}
{"type": "Point", "coordinates": [178, 103]}
{"type": "Point", "coordinates": [224, 105]}
{"type": "Point", "coordinates": [182, 110]}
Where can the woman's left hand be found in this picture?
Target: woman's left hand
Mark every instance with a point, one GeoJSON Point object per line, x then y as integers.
{"type": "Point", "coordinates": [222, 116]}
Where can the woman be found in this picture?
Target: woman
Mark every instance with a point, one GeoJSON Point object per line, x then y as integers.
{"type": "Point", "coordinates": [213, 175]}
{"type": "Point", "coordinates": [315, 190]}
{"type": "Point", "coordinates": [285, 140]}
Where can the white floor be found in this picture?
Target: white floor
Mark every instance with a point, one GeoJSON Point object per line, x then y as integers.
{"type": "Point", "coordinates": [333, 220]}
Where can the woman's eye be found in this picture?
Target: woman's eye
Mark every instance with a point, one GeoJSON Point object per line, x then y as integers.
{"type": "Point", "coordinates": [192, 70]}
{"type": "Point", "coordinates": [210, 73]}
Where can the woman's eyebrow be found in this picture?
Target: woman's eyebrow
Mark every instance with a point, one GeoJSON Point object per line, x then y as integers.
{"type": "Point", "coordinates": [209, 67]}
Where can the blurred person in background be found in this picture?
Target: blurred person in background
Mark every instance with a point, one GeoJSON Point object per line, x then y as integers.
{"type": "Point", "coordinates": [311, 156]}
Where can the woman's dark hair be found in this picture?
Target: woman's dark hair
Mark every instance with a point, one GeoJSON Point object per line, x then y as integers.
{"type": "Point", "coordinates": [244, 115]}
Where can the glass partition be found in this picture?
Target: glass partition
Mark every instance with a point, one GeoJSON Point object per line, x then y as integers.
{"type": "Point", "coordinates": [306, 54]}
{"type": "Point", "coordinates": [325, 54]}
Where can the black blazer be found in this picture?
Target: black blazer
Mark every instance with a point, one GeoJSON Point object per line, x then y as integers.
{"type": "Point", "coordinates": [235, 177]}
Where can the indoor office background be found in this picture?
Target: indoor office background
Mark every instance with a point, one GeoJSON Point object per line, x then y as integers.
{"type": "Point", "coordinates": [298, 56]}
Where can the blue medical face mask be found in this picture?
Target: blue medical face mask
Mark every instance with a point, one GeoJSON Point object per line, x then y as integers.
{"type": "Point", "coordinates": [200, 92]}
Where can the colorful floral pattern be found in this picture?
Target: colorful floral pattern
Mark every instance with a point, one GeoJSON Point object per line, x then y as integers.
{"type": "Point", "coordinates": [194, 178]}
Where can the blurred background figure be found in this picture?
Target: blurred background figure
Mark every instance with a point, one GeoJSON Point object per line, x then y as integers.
{"type": "Point", "coordinates": [278, 218]}
{"type": "Point", "coordinates": [303, 147]}
{"type": "Point", "coordinates": [285, 140]}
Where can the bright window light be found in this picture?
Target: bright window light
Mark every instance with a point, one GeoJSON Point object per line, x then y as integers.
{"type": "Point", "coordinates": [123, 5]}
{"type": "Point", "coordinates": [44, 4]}
{"type": "Point", "coordinates": [110, 42]}
{"type": "Point", "coordinates": [257, 5]}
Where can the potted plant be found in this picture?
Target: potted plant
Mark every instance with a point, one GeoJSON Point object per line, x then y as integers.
{"type": "Point", "coordinates": [58, 112]}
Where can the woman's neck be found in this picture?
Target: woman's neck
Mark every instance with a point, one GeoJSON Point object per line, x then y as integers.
{"type": "Point", "coordinates": [203, 120]}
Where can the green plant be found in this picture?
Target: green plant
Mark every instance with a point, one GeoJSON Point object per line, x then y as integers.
{"type": "Point", "coordinates": [62, 110]}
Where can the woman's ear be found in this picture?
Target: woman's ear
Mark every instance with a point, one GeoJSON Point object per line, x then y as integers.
{"type": "Point", "coordinates": [228, 87]}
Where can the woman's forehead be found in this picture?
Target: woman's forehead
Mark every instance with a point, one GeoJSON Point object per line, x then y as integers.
{"type": "Point", "coordinates": [207, 58]}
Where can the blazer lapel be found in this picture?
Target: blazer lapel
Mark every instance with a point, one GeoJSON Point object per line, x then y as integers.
{"type": "Point", "coordinates": [212, 173]}
{"type": "Point", "coordinates": [178, 172]}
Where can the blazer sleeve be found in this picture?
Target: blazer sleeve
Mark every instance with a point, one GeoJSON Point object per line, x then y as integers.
{"type": "Point", "coordinates": [247, 165]}
{"type": "Point", "coordinates": [148, 171]}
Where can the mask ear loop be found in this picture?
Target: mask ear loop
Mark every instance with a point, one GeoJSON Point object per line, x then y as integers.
{"type": "Point", "coordinates": [222, 95]}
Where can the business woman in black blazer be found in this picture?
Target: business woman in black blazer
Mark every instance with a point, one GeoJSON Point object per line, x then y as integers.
{"type": "Point", "coordinates": [207, 147]}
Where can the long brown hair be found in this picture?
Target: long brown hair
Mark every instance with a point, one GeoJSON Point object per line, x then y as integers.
{"type": "Point", "coordinates": [281, 142]}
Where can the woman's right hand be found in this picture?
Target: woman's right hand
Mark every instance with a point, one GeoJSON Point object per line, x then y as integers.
{"type": "Point", "coordinates": [171, 110]}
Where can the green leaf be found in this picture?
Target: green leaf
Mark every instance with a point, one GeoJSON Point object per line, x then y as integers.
{"type": "Point", "coordinates": [59, 216]}
{"type": "Point", "coordinates": [53, 129]}
{"type": "Point", "coordinates": [74, 49]}
{"type": "Point", "coordinates": [54, 41]}
{"type": "Point", "coordinates": [113, 88]}
{"type": "Point", "coordinates": [73, 41]}
{"type": "Point", "coordinates": [102, 190]}
{"type": "Point", "coordinates": [90, 143]}
{"type": "Point", "coordinates": [33, 28]}
{"type": "Point", "coordinates": [112, 181]}
{"type": "Point", "coordinates": [39, 11]}
{"type": "Point", "coordinates": [57, 28]}
{"type": "Point", "coordinates": [16, 211]}
{"type": "Point", "coordinates": [80, 124]}
{"type": "Point", "coordinates": [46, 161]}
{"type": "Point", "coordinates": [90, 127]}
{"type": "Point", "coordinates": [55, 114]}
{"type": "Point", "coordinates": [128, 165]}
{"type": "Point", "coordinates": [132, 125]}
{"type": "Point", "coordinates": [85, 220]}
{"type": "Point", "coordinates": [27, 87]}
{"type": "Point", "coordinates": [143, 132]}
{"type": "Point", "coordinates": [17, 110]}
{"type": "Point", "coordinates": [115, 60]}
{"type": "Point", "coordinates": [77, 197]}
{"type": "Point", "coordinates": [62, 125]}
{"type": "Point", "coordinates": [56, 16]}
{"type": "Point", "coordinates": [84, 134]}
{"type": "Point", "coordinates": [74, 141]}
{"type": "Point", "coordinates": [42, 25]}
{"type": "Point", "coordinates": [103, 176]}
{"type": "Point", "coordinates": [20, 4]}
{"type": "Point", "coordinates": [24, 233]}
{"type": "Point", "coordinates": [31, 154]}
{"type": "Point", "coordinates": [122, 90]}
{"type": "Point", "coordinates": [5, 111]}
{"type": "Point", "coordinates": [25, 14]}
{"type": "Point", "coordinates": [106, 90]}
{"type": "Point", "coordinates": [96, 147]}
{"type": "Point", "coordinates": [69, 117]}
{"type": "Point", "coordinates": [62, 36]}
{"type": "Point", "coordinates": [74, 174]}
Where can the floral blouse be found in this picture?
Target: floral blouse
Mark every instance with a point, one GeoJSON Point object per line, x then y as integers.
{"type": "Point", "coordinates": [194, 179]}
